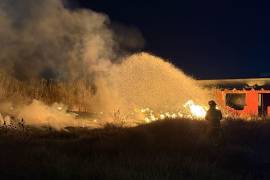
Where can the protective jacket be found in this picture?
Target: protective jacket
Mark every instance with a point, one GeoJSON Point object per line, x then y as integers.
{"type": "Point", "coordinates": [213, 116]}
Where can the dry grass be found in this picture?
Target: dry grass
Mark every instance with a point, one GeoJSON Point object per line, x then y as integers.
{"type": "Point", "coordinates": [76, 94]}
{"type": "Point", "coordinates": [170, 149]}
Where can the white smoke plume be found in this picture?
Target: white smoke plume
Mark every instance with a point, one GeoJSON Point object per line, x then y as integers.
{"type": "Point", "coordinates": [144, 80]}
{"type": "Point", "coordinates": [43, 39]}
{"type": "Point", "coordinates": [55, 116]}
{"type": "Point", "coordinates": [88, 63]}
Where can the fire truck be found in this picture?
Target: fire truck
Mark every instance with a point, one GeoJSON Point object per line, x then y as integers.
{"type": "Point", "coordinates": [242, 97]}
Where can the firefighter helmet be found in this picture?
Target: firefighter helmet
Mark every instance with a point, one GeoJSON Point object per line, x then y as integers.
{"type": "Point", "coordinates": [212, 103]}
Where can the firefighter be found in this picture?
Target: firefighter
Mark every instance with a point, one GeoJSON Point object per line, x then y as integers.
{"type": "Point", "coordinates": [213, 116]}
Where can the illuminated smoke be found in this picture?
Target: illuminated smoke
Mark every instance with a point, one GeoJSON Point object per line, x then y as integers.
{"type": "Point", "coordinates": [78, 50]}
{"type": "Point", "coordinates": [144, 80]}
{"type": "Point", "coordinates": [42, 39]}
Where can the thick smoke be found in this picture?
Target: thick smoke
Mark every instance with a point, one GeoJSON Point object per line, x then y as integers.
{"type": "Point", "coordinates": [56, 116]}
{"type": "Point", "coordinates": [88, 63]}
{"type": "Point", "coordinates": [43, 39]}
{"type": "Point", "coordinates": [143, 80]}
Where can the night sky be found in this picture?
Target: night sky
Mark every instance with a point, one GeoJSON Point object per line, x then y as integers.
{"type": "Point", "coordinates": [207, 39]}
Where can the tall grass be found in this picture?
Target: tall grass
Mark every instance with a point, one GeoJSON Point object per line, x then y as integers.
{"type": "Point", "coordinates": [76, 94]}
{"type": "Point", "coordinates": [169, 149]}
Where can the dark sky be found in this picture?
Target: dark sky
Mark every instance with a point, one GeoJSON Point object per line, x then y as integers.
{"type": "Point", "coordinates": [207, 39]}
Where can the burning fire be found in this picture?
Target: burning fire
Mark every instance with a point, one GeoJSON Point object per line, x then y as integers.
{"type": "Point", "coordinates": [193, 111]}
{"type": "Point", "coordinates": [196, 110]}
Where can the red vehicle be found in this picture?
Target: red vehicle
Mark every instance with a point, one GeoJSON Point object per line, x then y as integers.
{"type": "Point", "coordinates": [242, 97]}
